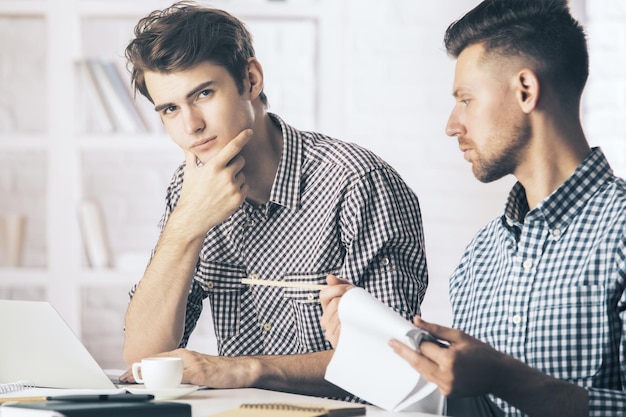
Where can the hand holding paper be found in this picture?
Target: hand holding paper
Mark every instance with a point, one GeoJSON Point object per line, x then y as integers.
{"type": "Point", "coordinates": [329, 298]}
{"type": "Point", "coordinates": [365, 365]}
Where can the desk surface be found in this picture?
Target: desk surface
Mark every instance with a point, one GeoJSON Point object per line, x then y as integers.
{"type": "Point", "coordinates": [205, 403]}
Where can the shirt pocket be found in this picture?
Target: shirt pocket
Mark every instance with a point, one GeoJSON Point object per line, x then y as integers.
{"type": "Point", "coordinates": [222, 285]}
{"type": "Point", "coordinates": [567, 332]}
{"type": "Point", "coordinates": [307, 310]}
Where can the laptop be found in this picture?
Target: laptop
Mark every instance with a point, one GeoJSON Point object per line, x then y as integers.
{"type": "Point", "coordinates": [38, 346]}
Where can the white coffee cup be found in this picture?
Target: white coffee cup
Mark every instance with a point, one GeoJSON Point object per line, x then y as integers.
{"type": "Point", "coordinates": [159, 373]}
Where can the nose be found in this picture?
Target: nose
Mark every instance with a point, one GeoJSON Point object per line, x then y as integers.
{"type": "Point", "coordinates": [454, 127]}
{"type": "Point", "coordinates": [193, 120]}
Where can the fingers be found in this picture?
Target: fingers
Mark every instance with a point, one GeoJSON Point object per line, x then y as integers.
{"type": "Point", "coordinates": [332, 334]}
{"type": "Point", "coordinates": [329, 313]}
{"type": "Point", "coordinates": [232, 149]}
{"type": "Point", "coordinates": [190, 158]}
{"type": "Point", "coordinates": [335, 280]}
{"type": "Point", "coordinates": [330, 322]}
{"type": "Point", "coordinates": [329, 298]}
{"type": "Point", "coordinates": [228, 156]}
{"type": "Point", "coordinates": [409, 354]}
{"type": "Point", "coordinates": [439, 332]}
{"type": "Point", "coordinates": [337, 287]}
{"type": "Point", "coordinates": [127, 377]}
{"type": "Point", "coordinates": [421, 363]}
{"type": "Point", "coordinates": [424, 365]}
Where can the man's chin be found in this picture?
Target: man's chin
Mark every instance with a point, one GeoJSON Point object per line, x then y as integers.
{"type": "Point", "coordinates": [487, 176]}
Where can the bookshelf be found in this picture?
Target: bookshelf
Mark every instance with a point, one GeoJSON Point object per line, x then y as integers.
{"type": "Point", "coordinates": [51, 159]}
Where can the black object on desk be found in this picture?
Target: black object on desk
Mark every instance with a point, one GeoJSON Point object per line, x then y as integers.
{"type": "Point", "coordinates": [102, 408]}
{"type": "Point", "coordinates": [102, 397]}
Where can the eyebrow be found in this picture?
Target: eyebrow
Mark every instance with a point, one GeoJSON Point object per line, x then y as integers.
{"type": "Point", "coordinates": [193, 92]}
{"type": "Point", "coordinates": [460, 91]}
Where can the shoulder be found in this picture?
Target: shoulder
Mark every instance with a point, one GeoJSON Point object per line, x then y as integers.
{"type": "Point", "coordinates": [486, 237]}
{"type": "Point", "coordinates": [606, 210]}
{"type": "Point", "coordinates": [610, 200]}
{"type": "Point", "coordinates": [348, 157]}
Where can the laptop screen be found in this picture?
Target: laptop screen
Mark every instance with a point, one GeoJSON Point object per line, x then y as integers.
{"type": "Point", "coordinates": [38, 346]}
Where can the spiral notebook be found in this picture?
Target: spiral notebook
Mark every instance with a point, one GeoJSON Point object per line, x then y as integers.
{"type": "Point", "coordinates": [39, 347]}
{"type": "Point", "coordinates": [14, 386]}
{"type": "Point", "coordinates": [294, 410]}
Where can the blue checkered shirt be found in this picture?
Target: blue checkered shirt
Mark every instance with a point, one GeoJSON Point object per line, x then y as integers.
{"type": "Point", "coordinates": [333, 207]}
{"type": "Point", "coordinates": [547, 286]}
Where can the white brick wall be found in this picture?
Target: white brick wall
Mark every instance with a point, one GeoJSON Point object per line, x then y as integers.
{"type": "Point", "coordinates": [389, 90]}
{"type": "Point", "coordinates": [23, 191]}
{"type": "Point", "coordinates": [397, 97]}
{"type": "Point", "coordinates": [604, 108]}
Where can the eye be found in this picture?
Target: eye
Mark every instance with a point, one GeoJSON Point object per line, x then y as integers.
{"type": "Point", "coordinates": [205, 93]}
{"type": "Point", "coordinates": [169, 110]}
{"type": "Point", "coordinates": [465, 101]}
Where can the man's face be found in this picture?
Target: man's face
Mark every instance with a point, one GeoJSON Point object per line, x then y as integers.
{"type": "Point", "coordinates": [201, 107]}
{"type": "Point", "coordinates": [490, 127]}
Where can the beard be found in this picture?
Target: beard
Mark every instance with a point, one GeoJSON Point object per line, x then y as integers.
{"type": "Point", "coordinates": [503, 154]}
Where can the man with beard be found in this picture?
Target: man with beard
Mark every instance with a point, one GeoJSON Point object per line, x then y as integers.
{"type": "Point", "coordinates": [538, 297]}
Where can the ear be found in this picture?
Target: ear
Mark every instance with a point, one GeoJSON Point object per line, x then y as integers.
{"type": "Point", "coordinates": [528, 90]}
{"type": "Point", "coordinates": [255, 78]}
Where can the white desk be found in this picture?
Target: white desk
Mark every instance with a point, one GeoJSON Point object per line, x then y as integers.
{"type": "Point", "coordinates": [205, 403]}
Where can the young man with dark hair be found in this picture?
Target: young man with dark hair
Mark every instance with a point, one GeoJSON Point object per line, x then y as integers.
{"type": "Point", "coordinates": [257, 198]}
{"type": "Point", "coordinates": [539, 297]}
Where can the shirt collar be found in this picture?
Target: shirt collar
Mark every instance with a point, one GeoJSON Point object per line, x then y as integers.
{"type": "Point", "coordinates": [560, 207]}
{"type": "Point", "coordinates": [286, 188]}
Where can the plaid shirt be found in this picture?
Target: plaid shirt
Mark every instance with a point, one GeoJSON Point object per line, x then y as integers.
{"type": "Point", "coordinates": [333, 207]}
{"type": "Point", "coordinates": [547, 286]}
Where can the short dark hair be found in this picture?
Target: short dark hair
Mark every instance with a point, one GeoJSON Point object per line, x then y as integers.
{"type": "Point", "coordinates": [543, 31]}
{"type": "Point", "coordinates": [184, 35]}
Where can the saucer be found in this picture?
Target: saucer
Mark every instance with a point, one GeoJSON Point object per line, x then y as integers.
{"type": "Point", "coordinates": [164, 394]}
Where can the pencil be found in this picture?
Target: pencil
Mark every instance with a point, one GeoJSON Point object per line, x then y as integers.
{"type": "Point", "coordinates": [269, 283]}
{"type": "Point", "coordinates": [22, 399]}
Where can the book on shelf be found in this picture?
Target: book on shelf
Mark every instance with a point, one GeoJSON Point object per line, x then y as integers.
{"type": "Point", "coordinates": [93, 115]}
{"type": "Point", "coordinates": [94, 234]}
{"type": "Point", "coordinates": [96, 409]}
{"type": "Point", "coordinates": [115, 97]}
{"type": "Point", "coordinates": [293, 410]}
{"type": "Point", "coordinates": [364, 364]}
{"type": "Point", "coordinates": [121, 85]}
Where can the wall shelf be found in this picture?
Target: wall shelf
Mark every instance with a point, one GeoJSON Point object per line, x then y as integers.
{"type": "Point", "coordinates": [51, 162]}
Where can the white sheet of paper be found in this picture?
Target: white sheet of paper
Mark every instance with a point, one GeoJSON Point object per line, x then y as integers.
{"type": "Point", "coordinates": [364, 364]}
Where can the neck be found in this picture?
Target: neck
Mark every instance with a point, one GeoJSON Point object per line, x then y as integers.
{"type": "Point", "coordinates": [555, 151]}
{"type": "Point", "coordinates": [262, 157]}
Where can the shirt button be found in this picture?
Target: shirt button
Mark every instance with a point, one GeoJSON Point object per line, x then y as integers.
{"type": "Point", "coordinates": [209, 284]}
{"type": "Point", "coordinates": [254, 275]}
{"type": "Point", "coordinates": [556, 232]}
{"type": "Point", "coordinates": [267, 327]}
{"type": "Point", "coordinates": [384, 261]}
{"type": "Point", "coordinates": [528, 263]}
{"type": "Point", "coordinates": [310, 296]}
{"type": "Point", "coordinates": [517, 319]}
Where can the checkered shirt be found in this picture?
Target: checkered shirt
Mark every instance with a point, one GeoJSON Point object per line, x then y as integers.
{"type": "Point", "coordinates": [547, 286]}
{"type": "Point", "coordinates": [333, 207]}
